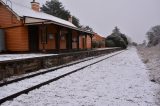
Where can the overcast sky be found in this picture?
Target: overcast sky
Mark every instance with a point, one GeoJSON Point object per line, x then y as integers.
{"type": "Point", "coordinates": [133, 17]}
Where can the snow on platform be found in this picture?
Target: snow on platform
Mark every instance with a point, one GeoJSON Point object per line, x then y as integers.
{"type": "Point", "coordinates": [6, 57]}
{"type": "Point", "coordinates": [27, 83]}
{"type": "Point", "coordinates": [118, 81]}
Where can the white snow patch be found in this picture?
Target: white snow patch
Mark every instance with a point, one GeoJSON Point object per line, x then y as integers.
{"type": "Point", "coordinates": [27, 83]}
{"type": "Point", "coordinates": [118, 81]}
{"type": "Point", "coordinates": [6, 57]}
{"type": "Point", "coordinates": [24, 11]}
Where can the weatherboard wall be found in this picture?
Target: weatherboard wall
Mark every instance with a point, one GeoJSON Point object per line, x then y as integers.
{"type": "Point", "coordinates": [17, 40]}
{"type": "Point", "coordinates": [16, 35]}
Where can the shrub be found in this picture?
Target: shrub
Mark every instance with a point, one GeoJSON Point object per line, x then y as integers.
{"type": "Point", "coordinates": [95, 44]}
{"type": "Point", "coordinates": [110, 43]}
{"type": "Point", "coordinates": [101, 43]}
{"type": "Point", "coordinates": [117, 39]}
{"type": "Point", "coordinates": [153, 36]}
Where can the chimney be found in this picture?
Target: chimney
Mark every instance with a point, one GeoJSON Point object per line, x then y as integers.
{"type": "Point", "coordinates": [35, 5]}
{"type": "Point", "coordinates": [70, 19]}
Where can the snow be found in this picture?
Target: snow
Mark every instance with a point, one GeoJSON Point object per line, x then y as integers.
{"type": "Point", "coordinates": [23, 11]}
{"type": "Point", "coordinates": [118, 81]}
{"type": "Point", "coordinates": [22, 85]}
{"type": "Point", "coordinates": [109, 48]}
{"type": "Point", "coordinates": [6, 57]}
{"type": "Point", "coordinates": [151, 56]}
{"type": "Point", "coordinates": [43, 70]}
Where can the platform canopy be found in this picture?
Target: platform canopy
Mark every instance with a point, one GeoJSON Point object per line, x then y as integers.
{"type": "Point", "coordinates": [35, 17]}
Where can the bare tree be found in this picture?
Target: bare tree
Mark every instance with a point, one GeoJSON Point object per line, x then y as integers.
{"type": "Point", "coordinates": [153, 36]}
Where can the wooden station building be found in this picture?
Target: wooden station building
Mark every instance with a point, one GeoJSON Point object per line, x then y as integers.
{"type": "Point", "coordinates": [99, 39]}
{"type": "Point", "coordinates": [29, 30]}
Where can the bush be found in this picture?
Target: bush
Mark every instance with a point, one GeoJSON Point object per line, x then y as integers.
{"type": "Point", "coordinates": [95, 44]}
{"type": "Point", "coordinates": [110, 43]}
{"type": "Point", "coordinates": [134, 44]}
{"type": "Point", "coordinates": [101, 44]}
{"type": "Point", "coordinates": [124, 38]}
{"type": "Point", "coordinates": [154, 36]}
{"type": "Point", "coordinates": [98, 44]}
{"type": "Point", "coordinates": [117, 39]}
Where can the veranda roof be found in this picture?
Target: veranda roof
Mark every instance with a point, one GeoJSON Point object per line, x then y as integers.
{"type": "Point", "coordinates": [32, 16]}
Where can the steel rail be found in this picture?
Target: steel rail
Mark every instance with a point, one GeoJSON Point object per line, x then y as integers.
{"type": "Point", "coordinates": [11, 97]}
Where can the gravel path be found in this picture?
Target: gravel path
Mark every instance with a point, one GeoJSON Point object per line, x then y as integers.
{"type": "Point", "coordinates": [118, 81]}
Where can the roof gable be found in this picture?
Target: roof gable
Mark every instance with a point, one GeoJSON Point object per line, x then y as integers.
{"type": "Point", "coordinates": [23, 11]}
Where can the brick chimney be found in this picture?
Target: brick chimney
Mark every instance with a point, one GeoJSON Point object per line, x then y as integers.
{"type": "Point", "coordinates": [70, 19]}
{"type": "Point", "coordinates": [35, 5]}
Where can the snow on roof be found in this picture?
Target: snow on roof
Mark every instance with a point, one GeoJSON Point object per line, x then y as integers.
{"type": "Point", "coordinates": [23, 11]}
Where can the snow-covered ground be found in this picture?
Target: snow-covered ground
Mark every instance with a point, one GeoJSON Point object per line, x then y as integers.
{"type": "Point", "coordinates": [42, 70]}
{"type": "Point", "coordinates": [6, 57]}
{"type": "Point", "coordinates": [27, 83]}
{"type": "Point", "coordinates": [151, 56]}
{"type": "Point", "coordinates": [118, 81]}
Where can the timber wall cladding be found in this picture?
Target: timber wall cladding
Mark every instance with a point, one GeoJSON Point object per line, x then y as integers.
{"type": "Point", "coordinates": [88, 42]}
{"type": "Point", "coordinates": [52, 30]}
{"type": "Point", "coordinates": [21, 66]}
{"type": "Point", "coordinates": [80, 42]}
{"type": "Point", "coordinates": [74, 39]}
{"type": "Point", "coordinates": [16, 35]}
{"type": "Point", "coordinates": [17, 39]}
{"type": "Point", "coordinates": [7, 19]}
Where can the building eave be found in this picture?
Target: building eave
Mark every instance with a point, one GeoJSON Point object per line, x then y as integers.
{"type": "Point", "coordinates": [39, 21]}
{"type": "Point", "coordinates": [36, 21]}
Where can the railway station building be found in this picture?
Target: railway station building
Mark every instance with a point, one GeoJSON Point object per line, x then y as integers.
{"type": "Point", "coordinates": [24, 29]}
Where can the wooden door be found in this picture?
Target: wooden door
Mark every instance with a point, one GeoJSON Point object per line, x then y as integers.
{"type": "Point", "coordinates": [84, 43]}
{"type": "Point", "coordinates": [33, 32]}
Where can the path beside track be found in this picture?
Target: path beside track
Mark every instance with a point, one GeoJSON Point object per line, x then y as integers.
{"type": "Point", "coordinates": [121, 80]}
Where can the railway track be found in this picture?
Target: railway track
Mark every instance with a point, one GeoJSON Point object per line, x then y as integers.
{"type": "Point", "coordinates": [38, 80]}
{"type": "Point", "coordinates": [47, 71]}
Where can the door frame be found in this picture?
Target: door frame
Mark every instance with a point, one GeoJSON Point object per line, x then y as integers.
{"type": "Point", "coordinates": [33, 38]}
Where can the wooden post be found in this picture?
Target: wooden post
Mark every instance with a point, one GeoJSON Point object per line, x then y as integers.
{"type": "Point", "coordinates": [91, 41]}
{"type": "Point", "coordinates": [44, 38]}
{"type": "Point", "coordinates": [86, 41]}
{"type": "Point", "coordinates": [78, 41]}
{"type": "Point", "coordinates": [58, 37]}
{"type": "Point", "coordinates": [69, 39]}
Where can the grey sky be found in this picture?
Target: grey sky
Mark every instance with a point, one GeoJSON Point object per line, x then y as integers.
{"type": "Point", "coordinates": [133, 17]}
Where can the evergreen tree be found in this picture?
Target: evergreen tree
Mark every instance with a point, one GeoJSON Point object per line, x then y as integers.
{"type": "Point", "coordinates": [117, 39]}
{"type": "Point", "coordinates": [56, 8]}
{"type": "Point", "coordinates": [124, 37]}
{"type": "Point", "coordinates": [75, 21]}
{"type": "Point", "coordinates": [116, 30]}
{"type": "Point", "coordinates": [87, 28]}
